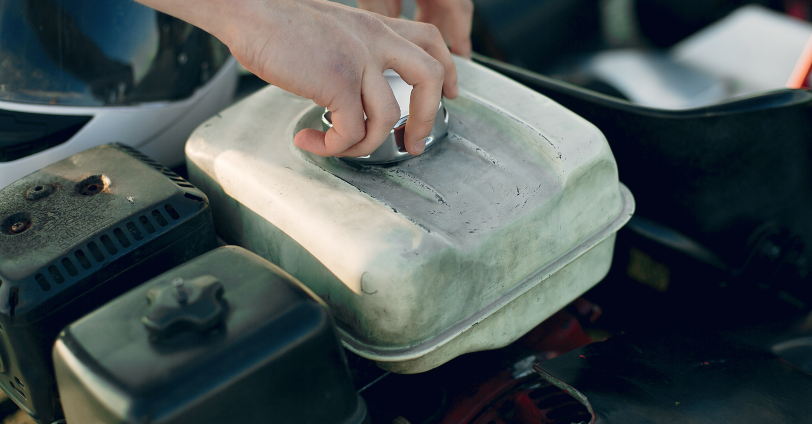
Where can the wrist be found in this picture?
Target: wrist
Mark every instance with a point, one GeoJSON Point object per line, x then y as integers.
{"type": "Point", "coordinates": [219, 18]}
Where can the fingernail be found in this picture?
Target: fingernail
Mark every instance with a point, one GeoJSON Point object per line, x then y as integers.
{"type": "Point", "coordinates": [419, 147]}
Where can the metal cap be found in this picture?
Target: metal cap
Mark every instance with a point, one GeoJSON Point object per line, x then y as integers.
{"type": "Point", "coordinates": [393, 148]}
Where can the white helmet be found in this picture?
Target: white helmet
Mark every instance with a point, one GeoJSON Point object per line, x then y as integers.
{"type": "Point", "coordinates": [79, 73]}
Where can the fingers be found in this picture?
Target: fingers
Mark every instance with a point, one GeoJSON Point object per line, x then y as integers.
{"type": "Point", "coordinates": [348, 127]}
{"type": "Point", "coordinates": [349, 135]}
{"type": "Point", "coordinates": [459, 29]}
{"type": "Point", "coordinates": [425, 74]}
{"type": "Point", "coordinates": [382, 112]}
{"type": "Point", "coordinates": [388, 8]}
{"type": "Point", "coordinates": [453, 18]}
{"type": "Point", "coordinates": [428, 37]}
{"type": "Point", "coordinates": [414, 50]}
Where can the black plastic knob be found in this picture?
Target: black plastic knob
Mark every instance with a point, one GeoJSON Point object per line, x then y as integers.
{"type": "Point", "coordinates": [194, 305]}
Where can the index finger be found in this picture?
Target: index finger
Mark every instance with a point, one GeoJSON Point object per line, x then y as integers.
{"type": "Point", "coordinates": [425, 75]}
{"type": "Point", "coordinates": [459, 30]}
{"type": "Point", "coordinates": [348, 128]}
{"type": "Point", "coordinates": [429, 38]}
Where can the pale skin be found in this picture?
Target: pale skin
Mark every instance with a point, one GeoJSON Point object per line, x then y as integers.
{"type": "Point", "coordinates": [336, 55]}
{"type": "Point", "coordinates": [452, 17]}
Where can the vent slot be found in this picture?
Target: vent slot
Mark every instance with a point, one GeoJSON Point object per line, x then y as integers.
{"type": "Point", "coordinates": [155, 165]}
{"type": "Point", "coordinates": [82, 259]}
{"type": "Point", "coordinates": [122, 238]}
{"type": "Point", "coordinates": [14, 297]}
{"type": "Point", "coordinates": [146, 224]}
{"type": "Point", "coordinates": [172, 212]}
{"type": "Point", "coordinates": [95, 251]}
{"type": "Point", "coordinates": [43, 283]}
{"type": "Point", "coordinates": [193, 197]}
{"type": "Point", "coordinates": [108, 244]}
{"type": "Point", "coordinates": [19, 392]}
{"type": "Point", "coordinates": [68, 265]}
{"type": "Point", "coordinates": [129, 150]}
{"type": "Point", "coordinates": [159, 218]}
{"type": "Point", "coordinates": [177, 179]}
{"type": "Point", "coordinates": [56, 275]}
{"type": "Point", "coordinates": [134, 231]}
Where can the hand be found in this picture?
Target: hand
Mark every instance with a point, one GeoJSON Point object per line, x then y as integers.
{"type": "Point", "coordinates": [334, 55]}
{"type": "Point", "coordinates": [388, 8]}
{"type": "Point", "coordinates": [452, 17]}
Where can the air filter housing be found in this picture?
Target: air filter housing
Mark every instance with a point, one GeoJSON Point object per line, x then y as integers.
{"type": "Point", "coordinates": [225, 338]}
{"type": "Point", "coordinates": [75, 235]}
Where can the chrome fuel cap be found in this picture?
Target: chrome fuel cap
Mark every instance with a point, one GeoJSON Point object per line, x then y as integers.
{"type": "Point", "coordinates": [393, 148]}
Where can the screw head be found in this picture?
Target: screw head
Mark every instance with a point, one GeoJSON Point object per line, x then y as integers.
{"type": "Point", "coordinates": [17, 223]}
{"type": "Point", "coordinates": [18, 227]}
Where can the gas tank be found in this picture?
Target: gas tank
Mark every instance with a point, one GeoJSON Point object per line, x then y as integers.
{"type": "Point", "coordinates": [466, 247]}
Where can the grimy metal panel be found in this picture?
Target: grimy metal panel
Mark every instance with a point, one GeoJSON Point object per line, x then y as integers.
{"type": "Point", "coordinates": [73, 236]}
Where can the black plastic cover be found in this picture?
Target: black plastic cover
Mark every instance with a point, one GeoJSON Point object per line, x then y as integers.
{"type": "Point", "coordinates": [275, 356]}
{"type": "Point", "coordinates": [717, 174]}
{"type": "Point", "coordinates": [681, 378]}
{"type": "Point", "coordinates": [75, 235]}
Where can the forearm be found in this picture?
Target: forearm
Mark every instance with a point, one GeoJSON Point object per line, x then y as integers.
{"type": "Point", "coordinates": [221, 18]}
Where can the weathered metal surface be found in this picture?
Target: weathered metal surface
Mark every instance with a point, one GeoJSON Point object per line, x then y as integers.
{"type": "Point", "coordinates": [463, 248]}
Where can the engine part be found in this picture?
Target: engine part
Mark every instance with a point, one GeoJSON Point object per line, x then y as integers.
{"type": "Point", "coordinates": [681, 377]}
{"type": "Point", "coordinates": [227, 337]}
{"type": "Point", "coordinates": [73, 236]}
{"type": "Point", "coordinates": [463, 248]}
